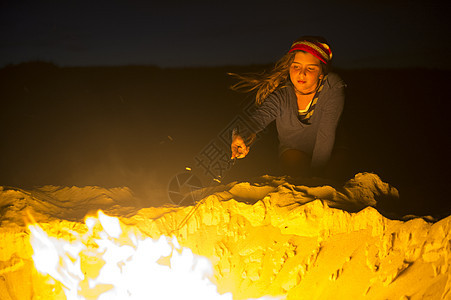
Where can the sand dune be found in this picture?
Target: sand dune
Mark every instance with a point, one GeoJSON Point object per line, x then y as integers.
{"type": "Point", "coordinates": [264, 238]}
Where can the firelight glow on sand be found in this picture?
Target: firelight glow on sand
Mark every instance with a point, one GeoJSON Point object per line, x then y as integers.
{"type": "Point", "coordinates": [266, 238]}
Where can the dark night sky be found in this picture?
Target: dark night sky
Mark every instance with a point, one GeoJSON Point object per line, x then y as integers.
{"type": "Point", "coordinates": [205, 33]}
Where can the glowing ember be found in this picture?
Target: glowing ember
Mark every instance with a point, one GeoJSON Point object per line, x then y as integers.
{"type": "Point", "coordinates": [125, 266]}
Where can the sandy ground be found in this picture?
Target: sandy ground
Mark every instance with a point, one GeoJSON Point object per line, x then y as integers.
{"type": "Point", "coordinates": [263, 238]}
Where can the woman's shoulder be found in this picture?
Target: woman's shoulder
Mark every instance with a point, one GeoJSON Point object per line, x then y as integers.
{"type": "Point", "coordinates": [335, 81]}
{"type": "Point", "coordinates": [283, 92]}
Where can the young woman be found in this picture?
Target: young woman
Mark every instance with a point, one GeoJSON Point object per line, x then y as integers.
{"type": "Point", "coordinates": [304, 99]}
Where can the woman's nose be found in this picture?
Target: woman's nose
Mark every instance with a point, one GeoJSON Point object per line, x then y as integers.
{"type": "Point", "coordinates": [302, 72]}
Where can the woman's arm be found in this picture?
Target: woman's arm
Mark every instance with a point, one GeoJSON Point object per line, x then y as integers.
{"type": "Point", "coordinates": [325, 138]}
{"type": "Point", "coordinates": [258, 119]}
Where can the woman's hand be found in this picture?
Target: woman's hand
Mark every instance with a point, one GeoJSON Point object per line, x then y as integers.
{"type": "Point", "coordinates": [239, 148]}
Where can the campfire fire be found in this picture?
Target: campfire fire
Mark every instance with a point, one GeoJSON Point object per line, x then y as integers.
{"type": "Point", "coordinates": [108, 262]}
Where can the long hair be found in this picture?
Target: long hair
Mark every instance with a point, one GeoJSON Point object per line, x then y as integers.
{"type": "Point", "coordinates": [279, 76]}
{"type": "Point", "coordinates": [267, 82]}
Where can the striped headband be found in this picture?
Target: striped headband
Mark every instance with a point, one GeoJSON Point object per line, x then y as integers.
{"type": "Point", "coordinates": [319, 50]}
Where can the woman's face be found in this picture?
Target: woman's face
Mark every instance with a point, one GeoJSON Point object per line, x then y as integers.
{"type": "Point", "coordinates": [305, 71]}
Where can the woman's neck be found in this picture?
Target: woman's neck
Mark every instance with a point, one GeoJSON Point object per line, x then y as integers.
{"type": "Point", "coordinates": [304, 94]}
{"type": "Point", "coordinates": [303, 101]}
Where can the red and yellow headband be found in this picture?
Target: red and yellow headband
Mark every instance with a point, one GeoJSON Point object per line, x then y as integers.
{"type": "Point", "coordinates": [319, 50]}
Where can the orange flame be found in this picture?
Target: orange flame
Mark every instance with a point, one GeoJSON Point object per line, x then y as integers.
{"type": "Point", "coordinates": [131, 267]}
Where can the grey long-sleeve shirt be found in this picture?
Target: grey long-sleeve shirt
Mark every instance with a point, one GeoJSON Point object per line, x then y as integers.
{"type": "Point", "coordinates": [316, 139]}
